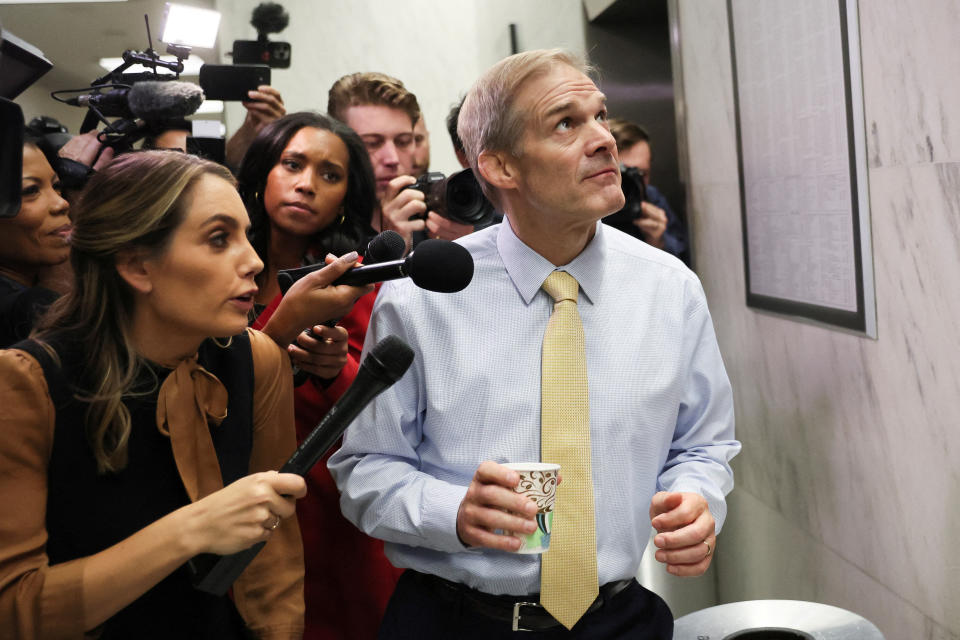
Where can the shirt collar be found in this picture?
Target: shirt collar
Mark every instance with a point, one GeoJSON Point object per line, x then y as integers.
{"type": "Point", "coordinates": [528, 269]}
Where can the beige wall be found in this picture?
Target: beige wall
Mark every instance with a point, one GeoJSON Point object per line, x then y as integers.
{"type": "Point", "coordinates": [848, 487]}
{"type": "Point", "coordinates": [436, 48]}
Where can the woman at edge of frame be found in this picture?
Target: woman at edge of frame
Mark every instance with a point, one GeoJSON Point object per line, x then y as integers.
{"type": "Point", "coordinates": [134, 439]}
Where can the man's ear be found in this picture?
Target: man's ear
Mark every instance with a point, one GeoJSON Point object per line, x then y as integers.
{"type": "Point", "coordinates": [496, 168]}
{"type": "Point", "coordinates": [132, 266]}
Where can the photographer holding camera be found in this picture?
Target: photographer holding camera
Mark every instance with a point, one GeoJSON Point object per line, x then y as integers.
{"type": "Point", "coordinates": [384, 113]}
{"type": "Point", "coordinates": [656, 223]}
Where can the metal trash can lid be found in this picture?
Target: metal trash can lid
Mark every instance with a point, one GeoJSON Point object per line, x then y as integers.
{"type": "Point", "coordinates": [774, 620]}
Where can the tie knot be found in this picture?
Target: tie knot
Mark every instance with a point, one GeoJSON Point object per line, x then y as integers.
{"type": "Point", "coordinates": [560, 285]}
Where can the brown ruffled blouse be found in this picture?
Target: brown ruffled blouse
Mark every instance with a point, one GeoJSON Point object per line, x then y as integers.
{"type": "Point", "coordinates": [38, 600]}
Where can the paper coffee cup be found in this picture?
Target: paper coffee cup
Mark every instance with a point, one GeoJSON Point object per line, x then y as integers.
{"type": "Point", "coordinates": [538, 481]}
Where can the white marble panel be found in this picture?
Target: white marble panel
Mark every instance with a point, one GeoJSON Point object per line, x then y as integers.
{"type": "Point", "coordinates": [851, 442]}
{"type": "Point", "coordinates": [762, 555]}
{"type": "Point", "coordinates": [541, 24]}
{"type": "Point", "coordinates": [911, 56]}
{"type": "Point", "coordinates": [430, 46]}
{"type": "Point", "coordinates": [854, 440]}
{"type": "Point", "coordinates": [708, 86]}
{"type": "Point", "coordinates": [436, 48]}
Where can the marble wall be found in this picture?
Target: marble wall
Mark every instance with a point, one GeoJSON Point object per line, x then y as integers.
{"type": "Point", "coordinates": [848, 487]}
{"type": "Point", "coordinates": [436, 48]}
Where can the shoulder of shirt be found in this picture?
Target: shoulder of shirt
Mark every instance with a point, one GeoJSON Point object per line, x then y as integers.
{"type": "Point", "coordinates": [482, 243]}
{"type": "Point", "coordinates": [648, 258]}
{"type": "Point", "coordinates": [482, 246]}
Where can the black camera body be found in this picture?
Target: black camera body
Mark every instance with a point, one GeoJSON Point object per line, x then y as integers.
{"type": "Point", "coordinates": [232, 81]}
{"type": "Point", "coordinates": [267, 18]}
{"type": "Point", "coordinates": [458, 197]}
{"type": "Point", "coordinates": [21, 64]}
{"type": "Point", "coordinates": [273, 53]}
{"type": "Point", "coordinates": [635, 194]}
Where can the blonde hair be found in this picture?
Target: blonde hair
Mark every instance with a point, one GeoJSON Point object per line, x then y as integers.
{"type": "Point", "coordinates": [488, 119]}
{"type": "Point", "coordinates": [371, 88]}
{"type": "Point", "coordinates": [137, 201]}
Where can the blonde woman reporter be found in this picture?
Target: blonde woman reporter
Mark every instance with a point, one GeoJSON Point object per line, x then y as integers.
{"type": "Point", "coordinates": [136, 434]}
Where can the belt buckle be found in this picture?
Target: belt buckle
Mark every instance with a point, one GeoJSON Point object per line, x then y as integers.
{"type": "Point", "coordinates": [516, 614]}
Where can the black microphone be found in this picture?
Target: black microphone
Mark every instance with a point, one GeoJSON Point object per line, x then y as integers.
{"type": "Point", "coordinates": [110, 103]}
{"type": "Point", "coordinates": [436, 265]}
{"type": "Point", "coordinates": [387, 245]}
{"type": "Point", "coordinates": [385, 364]}
{"type": "Point", "coordinates": [149, 100]}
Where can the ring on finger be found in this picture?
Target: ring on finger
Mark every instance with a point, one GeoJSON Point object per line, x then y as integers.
{"type": "Point", "coordinates": [275, 524]}
{"type": "Point", "coordinates": [709, 549]}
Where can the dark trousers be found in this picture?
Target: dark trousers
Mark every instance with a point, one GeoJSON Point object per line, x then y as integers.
{"type": "Point", "coordinates": [416, 612]}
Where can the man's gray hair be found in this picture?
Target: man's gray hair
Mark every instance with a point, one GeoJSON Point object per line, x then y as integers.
{"type": "Point", "coordinates": [488, 120]}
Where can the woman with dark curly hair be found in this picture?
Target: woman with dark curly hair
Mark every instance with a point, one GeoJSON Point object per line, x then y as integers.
{"type": "Point", "coordinates": [32, 244]}
{"type": "Point", "coordinates": [309, 189]}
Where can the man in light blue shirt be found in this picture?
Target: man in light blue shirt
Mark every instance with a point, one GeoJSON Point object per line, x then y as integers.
{"type": "Point", "coordinates": [420, 468]}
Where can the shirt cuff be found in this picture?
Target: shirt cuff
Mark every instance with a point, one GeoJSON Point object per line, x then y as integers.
{"type": "Point", "coordinates": [438, 513]}
{"type": "Point", "coordinates": [717, 505]}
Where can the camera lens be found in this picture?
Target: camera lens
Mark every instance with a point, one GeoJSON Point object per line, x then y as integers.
{"type": "Point", "coordinates": [465, 200]}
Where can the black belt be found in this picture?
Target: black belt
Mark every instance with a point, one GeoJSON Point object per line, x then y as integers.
{"type": "Point", "coordinates": [523, 612]}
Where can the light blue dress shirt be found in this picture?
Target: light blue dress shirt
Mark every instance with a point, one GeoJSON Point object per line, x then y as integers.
{"type": "Point", "coordinates": [661, 408]}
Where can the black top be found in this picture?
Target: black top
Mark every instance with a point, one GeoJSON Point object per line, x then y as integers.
{"type": "Point", "coordinates": [88, 512]}
{"type": "Point", "coordinates": [19, 308]}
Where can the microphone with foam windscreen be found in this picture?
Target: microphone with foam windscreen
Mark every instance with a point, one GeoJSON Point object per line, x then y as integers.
{"type": "Point", "coordinates": [435, 265]}
{"type": "Point", "coordinates": [386, 363]}
{"type": "Point", "coordinates": [386, 245]}
{"type": "Point", "coordinates": [150, 100]}
{"type": "Point", "coordinates": [164, 100]}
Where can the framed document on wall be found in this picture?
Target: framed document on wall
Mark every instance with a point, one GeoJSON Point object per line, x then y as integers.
{"type": "Point", "coordinates": [798, 103]}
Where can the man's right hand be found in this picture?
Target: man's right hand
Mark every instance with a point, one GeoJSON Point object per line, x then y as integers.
{"type": "Point", "coordinates": [399, 204]}
{"type": "Point", "coordinates": [490, 504]}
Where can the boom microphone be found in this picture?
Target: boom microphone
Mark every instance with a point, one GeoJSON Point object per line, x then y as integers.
{"type": "Point", "coordinates": [436, 265]}
{"type": "Point", "coordinates": [164, 100]}
{"type": "Point", "coordinates": [148, 100]}
{"type": "Point", "coordinates": [385, 364]}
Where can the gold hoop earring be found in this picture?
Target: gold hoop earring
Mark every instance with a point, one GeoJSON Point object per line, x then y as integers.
{"type": "Point", "coordinates": [343, 215]}
{"type": "Point", "coordinates": [223, 346]}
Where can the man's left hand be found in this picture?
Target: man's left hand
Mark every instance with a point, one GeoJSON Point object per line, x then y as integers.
{"type": "Point", "coordinates": [652, 224]}
{"type": "Point", "coordinates": [686, 537]}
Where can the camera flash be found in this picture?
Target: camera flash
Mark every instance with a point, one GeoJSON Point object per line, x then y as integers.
{"type": "Point", "coordinates": [190, 26]}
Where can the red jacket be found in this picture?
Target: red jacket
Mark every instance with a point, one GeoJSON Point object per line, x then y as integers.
{"type": "Point", "coordinates": [348, 579]}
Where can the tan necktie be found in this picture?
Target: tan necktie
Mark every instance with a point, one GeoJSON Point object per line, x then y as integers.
{"type": "Point", "coordinates": [568, 578]}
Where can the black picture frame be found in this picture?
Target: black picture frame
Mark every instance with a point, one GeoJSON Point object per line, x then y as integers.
{"type": "Point", "coordinates": [863, 319]}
